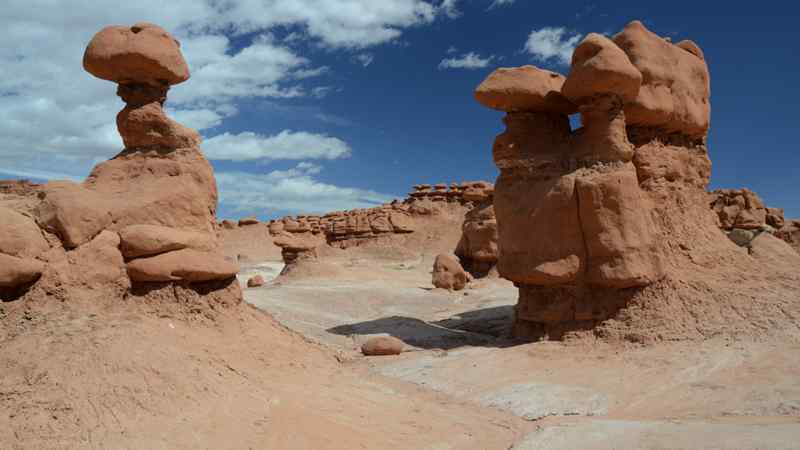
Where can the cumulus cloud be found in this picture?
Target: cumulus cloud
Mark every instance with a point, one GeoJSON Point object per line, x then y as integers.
{"type": "Point", "coordinates": [51, 110]}
{"type": "Point", "coordinates": [284, 145]}
{"type": "Point", "coordinates": [295, 191]}
{"type": "Point", "coordinates": [337, 23]}
{"type": "Point", "coordinates": [469, 60]}
{"type": "Point", "coordinates": [552, 44]}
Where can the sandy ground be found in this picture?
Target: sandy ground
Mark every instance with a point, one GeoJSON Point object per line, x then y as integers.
{"type": "Point", "coordinates": [722, 393]}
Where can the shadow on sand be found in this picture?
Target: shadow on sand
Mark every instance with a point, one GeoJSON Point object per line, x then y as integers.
{"type": "Point", "coordinates": [489, 327]}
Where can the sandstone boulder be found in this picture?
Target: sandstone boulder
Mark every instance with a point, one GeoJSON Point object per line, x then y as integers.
{"type": "Point", "coordinates": [142, 53]}
{"type": "Point", "coordinates": [98, 263]}
{"type": "Point", "coordinates": [380, 224]}
{"type": "Point", "coordinates": [182, 265]}
{"type": "Point", "coordinates": [148, 127]}
{"type": "Point", "coordinates": [477, 249]}
{"type": "Point", "coordinates": [691, 47]}
{"type": "Point", "coordinates": [149, 240]}
{"type": "Point", "coordinates": [775, 218]}
{"type": "Point", "coordinates": [256, 281]}
{"type": "Point", "coordinates": [675, 89]}
{"type": "Point", "coordinates": [19, 235]}
{"type": "Point", "coordinates": [448, 273]}
{"type": "Point", "coordinates": [382, 346]}
{"type": "Point", "coordinates": [76, 214]}
{"type": "Point", "coordinates": [529, 209]}
{"type": "Point", "coordinates": [401, 222]}
{"type": "Point", "coordinates": [525, 88]}
{"type": "Point", "coordinates": [16, 271]}
{"type": "Point", "coordinates": [173, 189]}
{"type": "Point", "coordinates": [618, 231]}
{"type": "Point", "coordinates": [740, 208]}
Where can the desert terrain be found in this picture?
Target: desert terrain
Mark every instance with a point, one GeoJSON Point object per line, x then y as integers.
{"type": "Point", "coordinates": [595, 296]}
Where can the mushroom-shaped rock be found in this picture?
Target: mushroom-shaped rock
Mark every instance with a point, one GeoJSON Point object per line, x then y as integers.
{"type": "Point", "coordinates": [382, 346]}
{"type": "Point", "coordinates": [675, 83]}
{"type": "Point", "coordinates": [478, 191]}
{"type": "Point", "coordinates": [248, 221]}
{"type": "Point", "coordinates": [143, 53]}
{"type": "Point", "coordinates": [148, 240]}
{"type": "Point", "coordinates": [16, 272]}
{"type": "Point", "coordinates": [19, 235]}
{"type": "Point", "coordinates": [448, 273]}
{"type": "Point", "coordinates": [525, 88]}
{"type": "Point", "coordinates": [600, 67]}
{"type": "Point", "coordinates": [294, 242]}
{"type": "Point", "coordinates": [187, 264]}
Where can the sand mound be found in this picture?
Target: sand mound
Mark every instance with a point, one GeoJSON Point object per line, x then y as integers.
{"type": "Point", "coordinates": [139, 375]}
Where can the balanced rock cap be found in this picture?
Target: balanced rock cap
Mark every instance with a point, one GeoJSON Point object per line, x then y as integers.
{"type": "Point", "coordinates": [526, 88]}
{"type": "Point", "coordinates": [676, 90]}
{"type": "Point", "coordinates": [600, 67]}
{"type": "Point", "coordinates": [143, 53]}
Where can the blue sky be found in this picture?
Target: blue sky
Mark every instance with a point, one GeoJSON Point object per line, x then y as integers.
{"type": "Point", "coordinates": [315, 105]}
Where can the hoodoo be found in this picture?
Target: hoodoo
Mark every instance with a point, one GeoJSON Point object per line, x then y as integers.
{"type": "Point", "coordinates": [142, 221]}
{"type": "Point", "coordinates": [593, 220]}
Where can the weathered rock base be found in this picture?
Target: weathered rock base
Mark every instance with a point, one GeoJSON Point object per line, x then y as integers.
{"type": "Point", "coordinates": [551, 312]}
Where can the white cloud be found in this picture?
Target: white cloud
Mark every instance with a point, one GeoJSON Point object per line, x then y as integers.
{"type": "Point", "coordinates": [496, 3]}
{"type": "Point", "coordinates": [284, 145]}
{"type": "Point", "coordinates": [552, 44]}
{"type": "Point", "coordinates": [294, 190]}
{"type": "Point", "coordinates": [337, 23]}
{"type": "Point", "coordinates": [469, 60]}
{"type": "Point", "coordinates": [52, 109]}
{"type": "Point", "coordinates": [255, 71]}
{"type": "Point", "coordinates": [365, 59]}
{"type": "Point", "coordinates": [452, 49]}
{"type": "Point", "coordinates": [321, 91]}
{"type": "Point", "coordinates": [450, 8]}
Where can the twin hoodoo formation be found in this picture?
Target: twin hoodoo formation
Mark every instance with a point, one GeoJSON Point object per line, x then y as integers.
{"type": "Point", "coordinates": [588, 217]}
{"type": "Point", "coordinates": [145, 217]}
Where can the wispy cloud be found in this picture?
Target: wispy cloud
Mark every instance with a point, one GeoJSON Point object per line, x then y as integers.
{"type": "Point", "coordinates": [497, 3]}
{"type": "Point", "coordinates": [295, 190]}
{"type": "Point", "coordinates": [450, 8]}
{"type": "Point", "coordinates": [286, 145]}
{"type": "Point", "coordinates": [365, 59]}
{"type": "Point", "coordinates": [469, 60]}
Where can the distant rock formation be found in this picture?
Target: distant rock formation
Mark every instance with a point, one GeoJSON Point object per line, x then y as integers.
{"type": "Point", "coordinates": [743, 215]}
{"type": "Point", "coordinates": [477, 248]}
{"type": "Point", "coordinates": [300, 235]}
{"type": "Point", "coordinates": [584, 217]}
{"type": "Point", "coordinates": [790, 232]}
{"type": "Point", "coordinates": [145, 218]}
